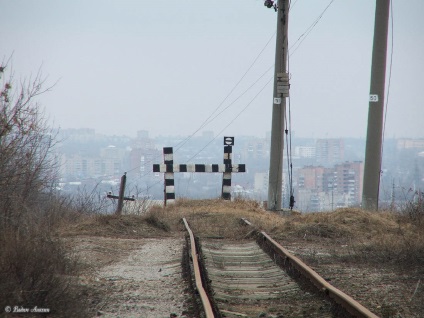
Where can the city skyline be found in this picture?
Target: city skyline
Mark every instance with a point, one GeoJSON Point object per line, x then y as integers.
{"type": "Point", "coordinates": [327, 173]}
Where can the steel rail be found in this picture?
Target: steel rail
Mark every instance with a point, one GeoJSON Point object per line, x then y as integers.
{"type": "Point", "coordinates": [347, 302]}
{"type": "Point", "coordinates": [198, 278]}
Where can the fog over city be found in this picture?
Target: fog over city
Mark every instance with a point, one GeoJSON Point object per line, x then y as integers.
{"type": "Point", "coordinates": [148, 168]}
{"type": "Point", "coordinates": [170, 67]}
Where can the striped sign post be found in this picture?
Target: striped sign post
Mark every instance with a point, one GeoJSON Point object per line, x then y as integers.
{"type": "Point", "coordinates": [169, 168]}
{"type": "Point", "coordinates": [226, 177]}
{"type": "Point", "coordinates": [169, 187]}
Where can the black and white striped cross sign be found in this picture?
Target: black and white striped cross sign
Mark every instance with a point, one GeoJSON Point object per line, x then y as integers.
{"type": "Point", "coordinates": [169, 168]}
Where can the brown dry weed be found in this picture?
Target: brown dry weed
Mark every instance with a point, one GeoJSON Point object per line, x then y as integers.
{"type": "Point", "coordinates": [386, 236]}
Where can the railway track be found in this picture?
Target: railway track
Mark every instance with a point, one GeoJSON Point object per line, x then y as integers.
{"type": "Point", "coordinates": [259, 278]}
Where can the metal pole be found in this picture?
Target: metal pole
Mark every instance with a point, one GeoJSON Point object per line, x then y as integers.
{"type": "Point", "coordinates": [121, 194]}
{"type": "Point", "coordinates": [278, 111]}
{"type": "Point", "coordinates": [372, 166]}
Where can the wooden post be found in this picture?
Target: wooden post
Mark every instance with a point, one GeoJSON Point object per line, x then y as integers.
{"type": "Point", "coordinates": [121, 194]}
{"type": "Point", "coordinates": [121, 197]}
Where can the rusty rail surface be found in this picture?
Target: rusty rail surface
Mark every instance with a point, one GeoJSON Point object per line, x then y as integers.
{"type": "Point", "coordinates": [344, 300]}
{"type": "Point", "coordinates": [198, 279]}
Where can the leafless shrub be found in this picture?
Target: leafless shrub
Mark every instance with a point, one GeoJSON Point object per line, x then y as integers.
{"type": "Point", "coordinates": [89, 202]}
{"type": "Point", "coordinates": [405, 246]}
{"type": "Point", "coordinates": [141, 203]}
{"type": "Point", "coordinates": [395, 240]}
{"type": "Point", "coordinates": [35, 268]}
{"type": "Point", "coordinates": [26, 164]}
{"type": "Point", "coordinates": [413, 207]}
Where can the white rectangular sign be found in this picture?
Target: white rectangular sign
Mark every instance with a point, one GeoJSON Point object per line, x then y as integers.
{"type": "Point", "coordinates": [373, 98]}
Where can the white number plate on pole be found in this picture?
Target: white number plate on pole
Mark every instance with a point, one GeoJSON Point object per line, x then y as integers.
{"type": "Point", "coordinates": [277, 100]}
{"type": "Point", "coordinates": [373, 98]}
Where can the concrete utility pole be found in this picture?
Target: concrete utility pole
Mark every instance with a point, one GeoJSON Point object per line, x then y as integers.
{"type": "Point", "coordinates": [279, 108]}
{"type": "Point", "coordinates": [373, 155]}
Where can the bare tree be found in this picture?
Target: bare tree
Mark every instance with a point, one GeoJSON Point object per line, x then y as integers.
{"type": "Point", "coordinates": [26, 164]}
{"type": "Point", "coordinates": [36, 269]}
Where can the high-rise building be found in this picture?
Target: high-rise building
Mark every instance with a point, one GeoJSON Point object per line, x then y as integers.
{"type": "Point", "coordinates": [349, 177]}
{"type": "Point", "coordinates": [329, 151]}
{"type": "Point", "coordinates": [319, 188]}
{"type": "Point", "coordinates": [408, 143]}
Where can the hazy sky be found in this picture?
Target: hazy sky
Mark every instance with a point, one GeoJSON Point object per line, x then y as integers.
{"type": "Point", "coordinates": [166, 66]}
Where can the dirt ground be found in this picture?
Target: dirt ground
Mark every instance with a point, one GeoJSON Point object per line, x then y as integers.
{"type": "Point", "coordinates": [386, 290]}
{"type": "Point", "coordinates": [132, 277]}
{"type": "Point", "coordinates": [132, 265]}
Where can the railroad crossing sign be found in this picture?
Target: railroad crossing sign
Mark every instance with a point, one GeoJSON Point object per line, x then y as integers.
{"type": "Point", "coordinates": [169, 168]}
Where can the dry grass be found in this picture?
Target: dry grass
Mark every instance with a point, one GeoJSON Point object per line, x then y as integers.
{"type": "Point", "coordinates": [215, 218]}
{"type": "Point", "coordinates": [348, 223]}
{"type": "Point", "coordinates": [36, 270]}
{"type": "Point", "coordinates": [376, 241]}
{"type": "Point", "coordinates": [111, 225]}
{"type": "Point", "coordinates": [372, 237]}
{"type": "Point", "coordinates": [368, 236]}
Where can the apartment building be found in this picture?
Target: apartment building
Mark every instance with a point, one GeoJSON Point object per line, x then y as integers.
{"type": "Point", "coordinates": [319, 188]}
{"type": "Point", "coordinates": [329, 151]}
{"type": "Point", "coordinates": [108, 163]}
{"type": "Point", "coordinates": [409, 143]}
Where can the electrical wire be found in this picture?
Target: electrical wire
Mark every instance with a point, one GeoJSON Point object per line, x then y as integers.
{"type": "Point", "coordinates": [388, 93]}
{"type": "Point", "coordinates": [238, 115]}
{"type": "Point", "coordinates": [288, 132]}
{"type": "Point", "coordinates": [291, 6]}
{"type": "Point", "coordinates": [236, 99]}
{"type": "Point", "coordinates": [305, 34]}
{"type": "Point", "coordinates": [213, 139]}
{"type": "Point", "coordinates": [232, 103]}
{"type": "Point", "coordinates": [211, 117]}
{"type": "Point", "coordinates": [208, 120]}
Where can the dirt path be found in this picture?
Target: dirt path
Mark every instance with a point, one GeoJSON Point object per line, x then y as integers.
{"type": "Point", "coordinates": [134, 277]}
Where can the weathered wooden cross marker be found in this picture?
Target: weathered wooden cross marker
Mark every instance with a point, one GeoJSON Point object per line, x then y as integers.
{"type": "Point", "coordinates": [121, 197]}
{"type": "Point", "coordinates": [169, 168]}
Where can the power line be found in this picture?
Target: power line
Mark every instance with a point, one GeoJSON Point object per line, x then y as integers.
{"type": "Point", "coordinates": [236, 99]}
{"type": "Point", "coordinates": [388, 85]}
{"type": "Point", "coordinates": [208, 120]}
{"type": "Point", "coordinates": [291, 6]}
{"type": "Point", "coordinates": [238, 115]}
{"type": "Point", "coordinates": [305, 34]}
{"type": "Point", "coordinates": [179, 145]}
{"type": "Point", "coordinates": [288, 132]}
{"type": "Point", "coordinates": [390, 71]}
{"type": "Point", "coordinates": [213, 139]}
{"type": "Point", "coordinates": [211, 117]}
